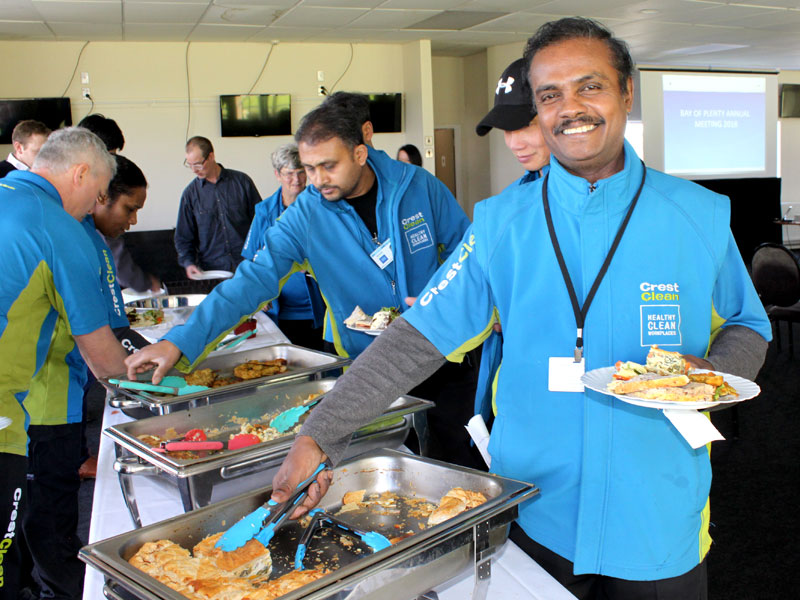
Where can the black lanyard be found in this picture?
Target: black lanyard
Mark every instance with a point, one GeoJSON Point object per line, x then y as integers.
{"type": "Point", "coordinates": [581, 312]}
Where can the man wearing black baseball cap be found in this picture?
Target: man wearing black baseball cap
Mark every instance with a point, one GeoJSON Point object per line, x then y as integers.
{"type": "Point", "coordinates": [513, 112]}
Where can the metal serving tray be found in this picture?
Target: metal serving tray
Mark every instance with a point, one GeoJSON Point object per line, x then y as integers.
{"type": "Point", "coordinates": [303, 364]}
{"type": "Point", "coordinates": [408, 568]}
{"type": "Point", "coordinates": [163, 302]}
{"type": "Point", "coordinates": [213, 476]}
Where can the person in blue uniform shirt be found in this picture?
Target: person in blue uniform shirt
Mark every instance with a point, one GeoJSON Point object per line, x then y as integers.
{"type": "Point", "coordinates": [371, 231]}
{"type": "Point", "coordinates": [624, 509]}
{"type": "Point", "coordinates": [51, 302]}
{"type": "Point", "coordinates": [514, 114]}
{"type": "Point", "coordinates": [299, 310]}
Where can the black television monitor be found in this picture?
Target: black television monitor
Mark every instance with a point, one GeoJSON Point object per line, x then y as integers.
{"type": "Point", "coordinates": [53, 112]}
{"type": "Point", "coordinates": [790, 100]}
{"type": "Point", "coordinates": [249, 115]}
{"type": "Point", "coordinates": [386, 112]}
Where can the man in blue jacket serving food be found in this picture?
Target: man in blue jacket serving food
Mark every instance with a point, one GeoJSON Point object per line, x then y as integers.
{"type": "Point", "coordinates": [624, 509]}
{"type": "Point", "coordinates": [371, 231]}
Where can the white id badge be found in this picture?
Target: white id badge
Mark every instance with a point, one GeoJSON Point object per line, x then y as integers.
{"type": "Point", "coordinates": [565, 374]}
{"type": "Point", "coordinates": [382, 255]}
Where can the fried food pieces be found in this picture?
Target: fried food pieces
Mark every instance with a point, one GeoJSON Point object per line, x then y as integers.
{"type": "Point", "coordinates": [211, 574]}
{"type": "Point", "coordinates": [454, 502]}
{"type": "Point", "coordinates": [203, 377]}
{"type": "Point", "coordinates": [253, 369]}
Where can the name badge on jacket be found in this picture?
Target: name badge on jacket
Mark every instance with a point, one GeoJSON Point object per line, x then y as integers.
{"type": "Point", "coordinates": [382, 255]}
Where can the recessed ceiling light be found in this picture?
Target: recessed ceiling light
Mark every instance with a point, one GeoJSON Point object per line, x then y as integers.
{"type": "Point", "coordinates": [650, 11]}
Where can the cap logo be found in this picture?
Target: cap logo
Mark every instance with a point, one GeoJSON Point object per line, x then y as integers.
{"type": "Point", "coordinates": [504, 85]}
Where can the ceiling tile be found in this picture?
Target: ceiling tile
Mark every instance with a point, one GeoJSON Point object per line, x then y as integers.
{"type": "Point", "coordinates": [18, 10]}
{"type": "Point", "coordinates": [504, 6]}
{"type": "Point", "coordinates": [424, 4]}
{"type": "Point", "coordinates": [24, 30]}
{"type": "Point", "coordinates": [76, 12]}
{"type": "Point", "coordinates": [303, 16]}
{"type": "Point", "coordinates": [344, 3]}
{"type": "Point", "coordinates": [87, 31]}
{"type": "Point", "coordinates": [528, 22]}
{"type": "Point", "coordinates": [283, 34]}
{"type": "Point", "coordinates": [156, 32]}
{"type": "Point", "coordinates": [162, 12]}
{"type": "Point", "coordinates": [205, 32]}
{"type": "Point", "coordinates": [243, 15]}
{"type": "Point", "coordinates": [391, 19]}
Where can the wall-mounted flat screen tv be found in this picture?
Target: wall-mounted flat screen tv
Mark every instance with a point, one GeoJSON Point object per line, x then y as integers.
{"type": "Point", "coordinates": [386, 112]}
{"type": "Point", "coordinates": [53, 112]}
{"type": "Point", "coordinates": [249, 115]}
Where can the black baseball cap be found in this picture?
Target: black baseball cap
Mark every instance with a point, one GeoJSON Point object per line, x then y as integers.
{"type": "Point", "coordinates": [513, 106]}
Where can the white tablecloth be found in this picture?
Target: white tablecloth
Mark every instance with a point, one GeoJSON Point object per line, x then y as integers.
{"type": "Point", "coordinates": [514, 574]}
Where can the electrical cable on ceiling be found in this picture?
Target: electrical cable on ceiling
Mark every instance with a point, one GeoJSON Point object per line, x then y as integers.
{"type": "Point", "coordinates": [264, 66]}
{"type": "Point", "coordinates": [349, 62]}
{"type": "Point", "coordinates": [75, 70]}
{"type": "Point", "coordinates": [188, 92]}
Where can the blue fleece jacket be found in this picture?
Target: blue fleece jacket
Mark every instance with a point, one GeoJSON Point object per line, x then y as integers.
{"type": "Point", "coordinates": [327, 239]}
{"type": "Point", "coordinates": [623, 494]}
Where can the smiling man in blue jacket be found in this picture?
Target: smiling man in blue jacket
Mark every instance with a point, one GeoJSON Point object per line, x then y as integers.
{"type": "Point", "coordinates": [624, 510]}
{"type": "Point", "coordinates": [371, 231]}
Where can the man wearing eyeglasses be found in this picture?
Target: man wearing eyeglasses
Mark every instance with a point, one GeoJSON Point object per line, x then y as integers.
{"type": "Point", "coordinates": [215, 213]}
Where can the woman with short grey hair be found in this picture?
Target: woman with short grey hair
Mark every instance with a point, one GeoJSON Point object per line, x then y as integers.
{"type": "Point", "coordinates": [299, 310]}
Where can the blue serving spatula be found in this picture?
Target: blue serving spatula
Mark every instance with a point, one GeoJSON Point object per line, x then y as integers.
{"type": "Point", "coordinates": [263, 521]}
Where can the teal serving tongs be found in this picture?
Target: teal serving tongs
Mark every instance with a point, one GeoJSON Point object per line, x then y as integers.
{"type": "Point", "coordinates": [169, 385]}
{"type": "Point", "coordinates": [263, 521]}
{"type": "Point", "coordinates": [239, 339]}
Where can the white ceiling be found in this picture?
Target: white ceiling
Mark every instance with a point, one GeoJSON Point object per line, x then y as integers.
{"type": "Point", "coordinates": [759, 34]}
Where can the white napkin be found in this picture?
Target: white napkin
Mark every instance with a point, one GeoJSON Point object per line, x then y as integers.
{"type": "Point", "coordinates": [696, 428]}
{"type": "Point", "coordinates": [480, 435]}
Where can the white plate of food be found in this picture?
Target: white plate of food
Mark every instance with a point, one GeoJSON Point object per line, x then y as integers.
{"type": "Point", "coordinates": [365, 330]}
{"type": "Point", "coordinates": [371, 325]}
{"type": "Point", "coordinates": [599, 380]}
{"type": "Point", "coordinates": [212, 275]}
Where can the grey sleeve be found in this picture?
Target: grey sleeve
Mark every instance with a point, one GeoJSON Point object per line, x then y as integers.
{"type": "Point", "coordinates": [397, 361]}
{"type": "Point", "coordinates": [738, 350]}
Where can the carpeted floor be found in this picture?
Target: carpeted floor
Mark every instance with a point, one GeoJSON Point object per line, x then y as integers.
{"type": "Point", "coordinates": [755, 512]}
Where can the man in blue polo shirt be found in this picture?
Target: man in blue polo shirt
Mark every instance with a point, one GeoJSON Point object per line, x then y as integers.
{"type": "Point", "coordinates": [624, 508]}
{"type": "Point", "coordinates": [50, 302]}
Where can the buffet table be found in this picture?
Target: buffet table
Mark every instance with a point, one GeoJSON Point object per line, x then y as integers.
{"type": "Point", "coordinates": [514, 574]}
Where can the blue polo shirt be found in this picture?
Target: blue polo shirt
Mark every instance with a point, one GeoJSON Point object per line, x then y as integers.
{"type": "Point", "coordinates": [49, 292]}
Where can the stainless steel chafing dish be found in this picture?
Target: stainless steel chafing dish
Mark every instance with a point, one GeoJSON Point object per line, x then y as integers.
{"type": "Point", "coordinates": [163, 302]}
{"type": "Point", "coordinates": [302, 363]}
{"type": "Point", "coordinates": [410, 567]}
{"type": "Point", "coordinates": [210, 477]}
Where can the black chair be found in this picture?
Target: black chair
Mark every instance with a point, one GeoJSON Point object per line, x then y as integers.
{"type": "Point", "coordinates": [776, 275]}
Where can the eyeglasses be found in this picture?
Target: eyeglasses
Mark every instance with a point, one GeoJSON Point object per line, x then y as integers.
{"type": "Point", "coordinates": [197, 165]}
{"type": "Point", "coordinates": [292, 173]}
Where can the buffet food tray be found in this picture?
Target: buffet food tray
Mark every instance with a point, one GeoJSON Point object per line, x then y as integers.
{"type": "Point", "coordinates": [208, 477]}
{"type": "Point", "coordinates": [165, 302]}
{"type": "Point", "coordinates": [302, 363]}
{"type": "Point", "coordinates": [406, 569]}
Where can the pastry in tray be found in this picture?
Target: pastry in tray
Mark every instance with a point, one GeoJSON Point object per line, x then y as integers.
{"type": "Point", "coordinates": [208, 573]}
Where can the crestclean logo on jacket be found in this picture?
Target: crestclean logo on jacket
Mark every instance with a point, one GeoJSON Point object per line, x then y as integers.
{"type": "Point", "coordinates": [463, 253]}
{"type": "Point", "coordinates": [660, 323]}
{"type": "Point", "coordinates": [417, 232]}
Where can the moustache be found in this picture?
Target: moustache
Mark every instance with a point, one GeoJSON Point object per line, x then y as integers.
{"type": "Point", "coordinates": [564, 125]}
